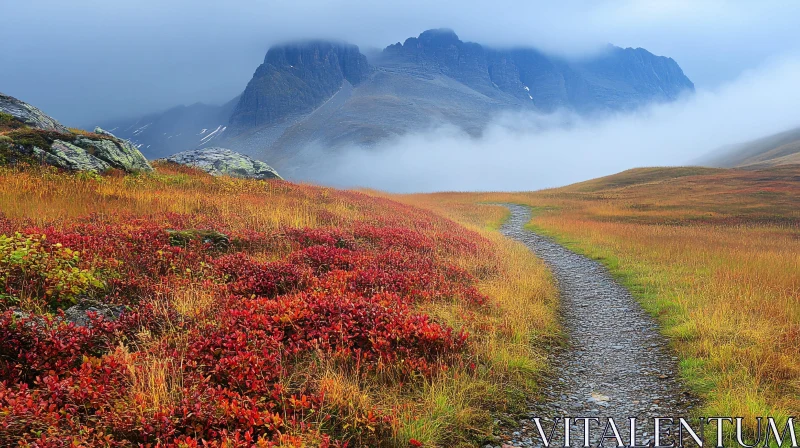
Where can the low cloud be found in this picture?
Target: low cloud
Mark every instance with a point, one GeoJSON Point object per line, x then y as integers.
{"type": "Point", "coordinates": [528, 151]}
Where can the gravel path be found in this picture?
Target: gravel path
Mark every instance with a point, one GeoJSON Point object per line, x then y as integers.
{"type": "Point", "coordinates": [617, 364]}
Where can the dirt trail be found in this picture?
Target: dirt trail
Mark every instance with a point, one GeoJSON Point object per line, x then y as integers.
{"type": "Point", "coordinates": [617, 364]}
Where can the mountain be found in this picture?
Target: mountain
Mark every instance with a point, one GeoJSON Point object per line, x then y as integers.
{"type": "Point", "coordinates": [183, 127]}
{"type": "Point", "coordinates": [777, 149]}
{"type": "Point", "coordinates": [323, 95]}
{"type": "Point", "coordinates": [296, 79]}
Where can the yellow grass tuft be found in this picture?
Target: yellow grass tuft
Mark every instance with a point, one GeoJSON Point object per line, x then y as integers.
{"type": "Point", "coordinates": [156, 383]}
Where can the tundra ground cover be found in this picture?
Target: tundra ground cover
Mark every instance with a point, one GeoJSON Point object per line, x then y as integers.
{"type": "Point", "coordinates": [714, 254]}
{"type": "Point", "coordinates": [255, 313]}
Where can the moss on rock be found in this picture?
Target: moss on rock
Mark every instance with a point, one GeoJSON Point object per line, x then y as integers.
{"type": "Point", "coordinates": [182, 238]}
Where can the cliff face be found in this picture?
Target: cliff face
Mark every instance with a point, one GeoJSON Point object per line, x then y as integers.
{"type": "Point", "coordinates": [295, 79]}
{"type": "Point", "coordinates": [442, 51]}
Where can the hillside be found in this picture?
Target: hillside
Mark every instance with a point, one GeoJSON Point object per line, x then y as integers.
{"type": "Point", "coordinates": [178, 309]}
{"type": "Point", "coordinates": [712, 254]}
{"type": "Point", "coordinates": [322, 94]}
{"type": "Point", "coordinates": [778, 149]}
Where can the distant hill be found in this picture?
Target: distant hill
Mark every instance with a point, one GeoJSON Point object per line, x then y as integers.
{"type": "Point", "coordinates": [777, 149]}
{"type": "Point", "coordinates": [162, 134]}
{"type": "Point", "coordinates": [637, 177]}
{"type": "Point", "coordinates": [328, 94]}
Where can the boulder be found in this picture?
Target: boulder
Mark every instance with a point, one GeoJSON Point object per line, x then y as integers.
{"type": "Point", "coordinates": [68, 156]}
{"type": "Point", "coordinates": [78, 314]}
{"type": "Point", "coordinates": [29, 115]}
{"type": "Point", "coordinates": [224, 162]}
{"type": "Point", "coordinates": [120, 154]}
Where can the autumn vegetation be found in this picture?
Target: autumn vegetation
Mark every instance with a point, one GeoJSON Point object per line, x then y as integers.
{"type": "Point", "coordinates": [256, 313]}
{"type": "Point", "coordinates": [714, 254]}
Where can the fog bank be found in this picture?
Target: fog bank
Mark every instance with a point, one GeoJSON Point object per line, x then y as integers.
{"type": "Point", "coordinates": [528, 151]}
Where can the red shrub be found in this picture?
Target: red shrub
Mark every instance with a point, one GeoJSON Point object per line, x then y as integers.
{"type": "Point", "coordinates": [349, 292]}
{"type": "Point", "coordinates": [250, 277]}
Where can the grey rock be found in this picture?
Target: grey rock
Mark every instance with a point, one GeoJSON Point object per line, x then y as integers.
{"type": "Point", "coordinates": [67, 150]}
{"type": "Point", "coordinates": [66, 155]}
{"type": "Point", "coordinates": [120, 154]}
{"type": "Point", "coordinates": [29, 115]}
{"type": "Point", "coordinates": [224, 162]}
{"type": "Point", "coordinates": [100, 131]}
{"type": "Point", "coordinates": [79, 314]}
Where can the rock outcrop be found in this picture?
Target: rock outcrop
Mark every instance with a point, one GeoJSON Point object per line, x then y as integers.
{"type": "Point", "coordinates": [224, 162]}
{"type": "Point", "coordinates": [71, 157]}
{"type": "Point", "coordinates": [29, 115]}
{"type": "Point", "coordinates": [28, 135]}
{"type": "Point", "coordinates": [120, 154]}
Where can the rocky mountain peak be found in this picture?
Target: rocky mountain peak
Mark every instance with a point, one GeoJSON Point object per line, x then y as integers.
{"type": "Point", "coordinates": [440, 37]}
{"type": "Point", "coordinates": [294, 79]}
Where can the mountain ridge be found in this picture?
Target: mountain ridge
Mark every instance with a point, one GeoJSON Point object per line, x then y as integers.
{"type": "Point", "coordinates": [327, 94]}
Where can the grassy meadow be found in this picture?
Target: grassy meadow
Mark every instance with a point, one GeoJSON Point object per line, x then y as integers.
{"type": "Point", "coordinates": [714, 254]}
{"type": "Point", "coordinates": [256, 313]}
{"type": "Point", "coordinates": [274, 314]}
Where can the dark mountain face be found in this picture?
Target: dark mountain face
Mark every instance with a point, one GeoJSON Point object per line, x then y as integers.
{"type": "Point", "coordinates": [163, 134]}
{"type": "Point", "coordinates": [441, 51]}
{"type": "Point", "coordinates": [327, 95]}
{"type": "Point", "coordinates": [295, 79]}
{"type": "Point", "coordinates": [618, 79]}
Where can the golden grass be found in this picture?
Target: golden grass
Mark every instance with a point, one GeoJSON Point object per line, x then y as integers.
{"type": "Point", "coordinates": [714, 254]}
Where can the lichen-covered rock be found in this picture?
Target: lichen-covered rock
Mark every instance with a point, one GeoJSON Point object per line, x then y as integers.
{"type": "Point", "coordinates": [29, 115]}
{"type": "Point", "coordinates": [79, 314]}
{"type": "Point", "coordinates": [217, 240]}
{"type": "Point", "coordinates": [120, 154]}
{"type": "Point", "coordinates": [224, 162]}
{"type": "Point", "coordinates": [66, 155]}
{"type": "Point", "coordinates": [29, 136]}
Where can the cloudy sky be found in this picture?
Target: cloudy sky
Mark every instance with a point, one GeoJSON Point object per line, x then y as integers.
{"type": "Point", "coordinates": [83, 61]}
